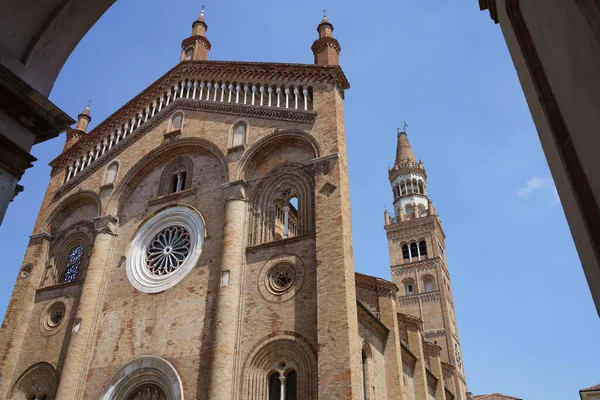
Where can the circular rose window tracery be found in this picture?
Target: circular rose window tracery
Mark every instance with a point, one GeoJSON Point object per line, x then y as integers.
{"type": "Point", "coordinates": [165, 248]}
{"type": "Point", "coordinates": [168, 250]}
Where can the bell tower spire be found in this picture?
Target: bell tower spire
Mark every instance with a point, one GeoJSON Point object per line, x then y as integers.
{"type": "Point", "coordinates": [326, 48]}
{"type": "Point", "coordinates": [408, 180]}
{"type": "Point", "coordinates": [416, 243]}
{"type": "Point", "coordinates": [197, 46]}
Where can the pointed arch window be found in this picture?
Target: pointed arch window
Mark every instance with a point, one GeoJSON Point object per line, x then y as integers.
{"type": "Point", "coordinates": [189, 52]}
{"type": "Point", "coordinates": [73, 265]}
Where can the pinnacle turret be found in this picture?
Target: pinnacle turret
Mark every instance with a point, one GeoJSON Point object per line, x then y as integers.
{"type": "Point", "coordinates": [197, 46]}
{"type": "Point", "coordinates": [326, 48]}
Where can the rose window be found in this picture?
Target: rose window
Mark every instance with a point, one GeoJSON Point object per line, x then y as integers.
{"type": "Point", "coordinates": [281, 278]}
{"type": "Point", "coordinates": [165, 249]}
{"type": "Point", "coordinates": [168, 250]}
{"type": "Point", "coordinates": [73, 263]}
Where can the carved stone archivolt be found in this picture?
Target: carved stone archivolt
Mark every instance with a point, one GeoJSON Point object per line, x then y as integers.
{"type": "Point", "coordinates": [39, 381]}
{"type": "Point", "coordinates": [145, 378]}
{"type": "Point", "coordinates": [163, 154]}
{"type": "Point", "coordinates": [283, 351]}
{"type": "Point", "coordinates": [61, 251]}
{"type": "Point", "coordinates": [266, 195]}
{"type": "Point", "coordinates": [294, 138]}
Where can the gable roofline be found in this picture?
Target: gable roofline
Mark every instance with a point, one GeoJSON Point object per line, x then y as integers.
{"type": "Point", "coordinates": [267, 72]}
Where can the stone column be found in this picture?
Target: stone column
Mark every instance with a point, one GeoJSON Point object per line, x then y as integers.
{"type": "Point", "coordinates": [18, 312]}
{"type": "Point", "coordinates": [72, 376]}
{"type": "Point", "coordinates": [223, 378]}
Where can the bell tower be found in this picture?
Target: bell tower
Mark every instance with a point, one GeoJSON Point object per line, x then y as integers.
{"type": "Point", "coordinates": [416, 244]}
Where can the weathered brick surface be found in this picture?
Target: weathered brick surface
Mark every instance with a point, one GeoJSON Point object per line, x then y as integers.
{"type": "Point", "coordinates": [215, 334]}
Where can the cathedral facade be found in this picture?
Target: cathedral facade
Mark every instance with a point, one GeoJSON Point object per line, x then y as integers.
{"type": "Point", "coordinates": [198, 244]}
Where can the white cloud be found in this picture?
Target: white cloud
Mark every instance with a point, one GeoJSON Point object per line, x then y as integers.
{"type": "Point", "coordinates": [532, 185]}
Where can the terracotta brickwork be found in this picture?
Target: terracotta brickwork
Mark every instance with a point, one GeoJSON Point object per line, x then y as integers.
{"type": "Point", "coordinates": [260, 304]}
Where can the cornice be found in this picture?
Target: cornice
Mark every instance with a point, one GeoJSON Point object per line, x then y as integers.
{"type": "Point", "coordinates": [272, 73]}
{"type": "Point", "coordinates": [419, 297]}
{"type": "Point", "coordinates": [489, 5]}
{"type": "Point", "coordinates": [419, 266]}
{"type": "Point", "coordinates": [375, 284]}
{"type": "Point", "coordinates": [413, 226]}
{"type": "Point", "coordinates": [406, 169]}
{"type": "Point", "coordinates": [435, 333]}
{"type": "Point", "coordinates": [195, 105]}
{"type": "Point", "coordinates": [409, 320]}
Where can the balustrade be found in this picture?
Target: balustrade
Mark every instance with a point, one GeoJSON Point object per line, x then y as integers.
{"type": "Point", "coordinates": [250, 94]}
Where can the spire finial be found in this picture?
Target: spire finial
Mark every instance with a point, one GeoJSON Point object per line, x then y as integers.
{"type": "Point", "coordinates": [405, 126]}
{"type": "Point", "coordinates": [324, 13]}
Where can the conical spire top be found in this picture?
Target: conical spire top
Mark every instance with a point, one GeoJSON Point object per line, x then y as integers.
{"type": "Point", "coordinates": [199, 27]}
{"type": "Point", "coordinates": [197, 46]}
{"type": "Point", "coordinates": [404, 153]}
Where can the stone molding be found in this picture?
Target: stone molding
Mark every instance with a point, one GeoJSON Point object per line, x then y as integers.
{"type": "Point", "coordinates": [13, 158]}
{"type": "Point", "coordinates": [196, 105]}
{"type": "Point", "coordinates": [419, 297]}
{"type": "Point", "coordinates": [418, 266]}
{"type": "Point", "coordinates": [378, 285]}
{"type": "Point", "coordinates": [489, 5]}
{"type": "Point", "coordinates": [192, 40]}
{"type": "Point", "coordinates": [29, 108]}
{"type": "Point", "coordinates": [172, 196]}
{"type": "Point", "coordinates": [432, 334]}
{"type": "Point", "coordinates": [274, 73]}
{"type": "Point", "coordinates": [324, 43]}
{"type": "Point", "coordinates": [38, 237]}
{"type": "Point", "coordinates": [410, 321]}
{"type": "Point", "coordinates": [145, 369]}
{"type": "Point", "coordinates": [407, 168]}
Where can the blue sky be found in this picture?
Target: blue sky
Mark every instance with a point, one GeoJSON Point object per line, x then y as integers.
{"type": "Point", "coordinates": [526, 318]}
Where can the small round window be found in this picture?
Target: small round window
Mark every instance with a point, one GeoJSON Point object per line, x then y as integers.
{"type": "Point", "coordinates": [164, 249]}
{"type": "Point", "coordinates": [281, 278]}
